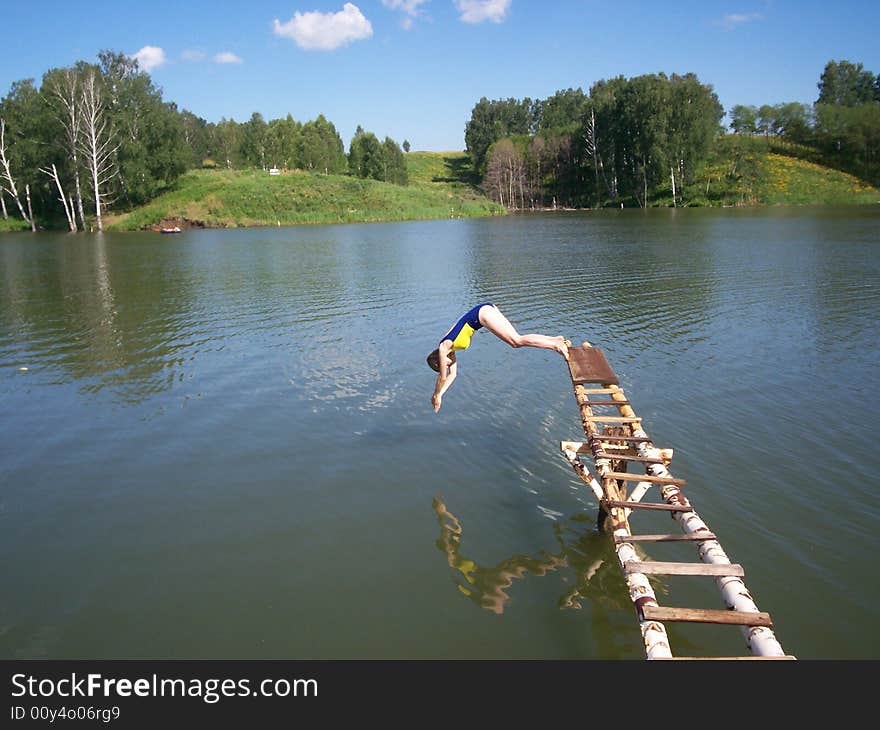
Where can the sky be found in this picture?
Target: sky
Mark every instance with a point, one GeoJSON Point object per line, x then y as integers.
{"type": "Point", "coordinates": [414, 69]}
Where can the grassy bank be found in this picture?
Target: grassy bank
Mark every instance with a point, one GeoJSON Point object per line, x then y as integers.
{"type": "Point", "coordinates": [747, 171]}
{"type": "Point", "coordinates": [13, 224]}
{"type": "Point", "coordinates": [439, 188]}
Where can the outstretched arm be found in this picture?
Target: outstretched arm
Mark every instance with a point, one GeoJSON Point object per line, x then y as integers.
{"type": "Point", "coordinates": [448, 371]}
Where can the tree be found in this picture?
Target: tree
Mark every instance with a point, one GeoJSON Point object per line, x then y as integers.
{"type": "Point", "coordinates": [646, 107]}
{"type": "Point", "coordinates": [365, 158]}
{"type": "Point", "coordinates": [196, 138]}
{"type": "Point", "coordinates": [561, 113]}
{"type": "Point", "coordinates": [320, 147]}
{"type": "Point", "coordinates": [98, 144]}
{"type": "Point", "coordinates": [61, 89]}
{"type": "Point", "coordinates": [846, 84]}
{"type": "Point", "coordinates": [29, 127]}
{"type": "Point", "coordinates": [406, 145]}
{"type": "Point", "coordinates": [793, 121]}
{"type": "Point", "coordinates": [150, 134]}
{"type": "Point", "coordinates": [505, 179]}
{"type": "Point", "coordinates": [766, 120]}
{"type": "Point", "coordinates": [253, 142]}
{"type": "Point", "coordinates": [694, 119]}
{"type": "Point", "coordinates": [9, 185]}
{"type": "Point", "coordinates": [281, 141]}
{"type": "Point", "coordinates": [394, 163]}
{"type": "Point", "coordinates": [744, 119]}
{"type": "Point", "coordinates": [226, 140]}
{"type": "Point", "coordinates": [493, 120]}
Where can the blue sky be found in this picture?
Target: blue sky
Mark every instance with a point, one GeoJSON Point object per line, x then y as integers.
{"type": "Point", "coordinates": [413, 69]}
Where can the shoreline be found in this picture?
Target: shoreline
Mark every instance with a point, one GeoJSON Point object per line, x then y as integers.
{"type": "Point", "coordinates": [185, 224]}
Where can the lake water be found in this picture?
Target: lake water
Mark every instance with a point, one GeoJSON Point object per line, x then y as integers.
{"type": "Point", "coordinates": [223, 445]}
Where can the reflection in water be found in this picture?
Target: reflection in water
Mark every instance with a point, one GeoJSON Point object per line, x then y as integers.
{"type": "Point", "coordinates": [92, 311]}
{"type": "Point", "coordinates": [596, 573]}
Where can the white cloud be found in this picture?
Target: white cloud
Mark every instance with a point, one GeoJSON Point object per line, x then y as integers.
{"type": "Point", "coordinates": [732, 20]}
{"type": "Point", "coordinates": [227, 57]}
{"type": "Point", "coordinates": [476, 11]}
{"type": "Point", "coordinates": [192, 54]}
{"type": "Point", "coordinates": [409, 7]}
{"type": "Point", "coordinates": [316, 31]}
{"type": "Point", "coordinates": [150, 57]}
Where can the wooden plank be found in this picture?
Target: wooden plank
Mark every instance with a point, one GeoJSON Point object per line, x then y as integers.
{"type": "Point", "coordinates": [690, 537]}
{"type": "Point", "coordinates": [706, 616]}
{"type": "Point", "coordinates": [647, 505]}
{"type": "Point", "coordinates": [600, 391]}
{"type": "Point", "coordinates": [627, 477]}
{"type": "Point", "coordinates": [588, 365]}
{"type": "Point", "coordinates": [720, 658]}
{"type": "Point", "coordinates": [613, 419]}
{"type": "Point", "coordinates": [656, 567]}
{"type": "Point", "coordinates": [633, 439]}
{"type": "Point", "coordinates": [629, 457]}
{"type": "Point", "coordinates": [604, 402]}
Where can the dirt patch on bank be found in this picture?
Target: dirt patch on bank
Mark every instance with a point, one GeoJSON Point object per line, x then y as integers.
{"type": "Point", "coordinates": [182, 223]}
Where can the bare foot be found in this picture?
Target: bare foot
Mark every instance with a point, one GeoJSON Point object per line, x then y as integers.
{"type": "Point", "coordinates": [563, 346]}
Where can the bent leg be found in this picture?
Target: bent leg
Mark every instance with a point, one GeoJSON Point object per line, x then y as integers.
{"type": "Point", "coordinates": [492, 319]}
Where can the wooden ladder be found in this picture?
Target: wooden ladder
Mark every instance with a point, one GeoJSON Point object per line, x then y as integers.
{"type": "Point", "coordinates": [622, 442]}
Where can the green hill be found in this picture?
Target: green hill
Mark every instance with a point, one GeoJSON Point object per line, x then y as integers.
{"type": "Point", "coordinates": [744, 171]}
{"type": "Point", "coordinates": [440, 187]}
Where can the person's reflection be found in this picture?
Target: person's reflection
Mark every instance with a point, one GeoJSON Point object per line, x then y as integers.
{"type": "Point", "coordinates": [590, 555]}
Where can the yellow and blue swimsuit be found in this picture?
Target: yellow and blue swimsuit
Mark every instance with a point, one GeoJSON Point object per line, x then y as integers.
{"type": "Point", "coordinates": [464, 329]}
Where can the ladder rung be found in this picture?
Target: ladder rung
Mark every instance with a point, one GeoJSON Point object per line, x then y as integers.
{"type": "Point", "coordinates": [612, 419]}
{"type": "Point", "coordinates": [609, 437]}
{"type": "Point", "coordinates": [627, 477]}
{"type": "Point", "coordinates": [706, 616]}
{"type": "Point", "coordinates": [660, 568]}
{"type": "Point", "coordinates": [648, 505]}
{"type": "Point", "coordinates": [604, 402]}
{"type": "Point", "coordinates": [690, 537]}
{"type": "Point", "coordinates": [601, 391]}
{"type": "Point", "coordinates": [627, 457]}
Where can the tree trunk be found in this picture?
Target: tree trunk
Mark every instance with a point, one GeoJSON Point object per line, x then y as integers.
{"type": "Point", "coordinates": [79, 200]}
{"type": "Point", "coordinates": [27, 193]}
{"type": "Point", "coordinates": [3, 205]}
{"type": "Point", "coordinates": [96, 186]}
{"type": "Point", "coordinates": [672, 175]}
{"type": "Point", "coordinates": [68, 212]}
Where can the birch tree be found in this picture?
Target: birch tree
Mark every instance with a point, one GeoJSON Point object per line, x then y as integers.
{"type": "Point", "coordinates": [63, 89]}
{"type": "Point", "coordinates": [97, 144]}
{"type": "Point", "coordinates": [7, 177]}
{"type": "Point", "coordinates": [505, 173]}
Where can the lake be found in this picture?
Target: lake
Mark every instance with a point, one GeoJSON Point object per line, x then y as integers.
{"type": "Point", "coordinates": [222, 445]}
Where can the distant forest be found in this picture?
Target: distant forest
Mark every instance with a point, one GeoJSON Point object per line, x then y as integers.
{"type": "Point", "coordinates": [98, 137]}
{"type": "Point", "coordinates": [618, 143]}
